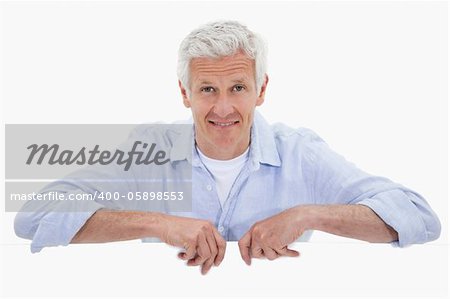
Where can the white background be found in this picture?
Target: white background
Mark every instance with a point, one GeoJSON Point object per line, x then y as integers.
{"type": "Point", "coordinates": [369, 77]}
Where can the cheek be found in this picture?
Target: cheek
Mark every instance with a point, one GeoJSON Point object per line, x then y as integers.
{"type": "Point", "coordinates": [247, 108]}
{"type": "Point", "coordinates": [200, 110]}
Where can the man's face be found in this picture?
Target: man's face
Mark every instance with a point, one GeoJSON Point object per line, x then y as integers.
{"type": "Point", "coordinates": [223, 98]}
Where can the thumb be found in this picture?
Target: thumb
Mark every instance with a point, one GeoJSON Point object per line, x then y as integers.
{"type": "Point", "coordinates": [244, 247]}
{"type": "Point", "coordinates": [285, 251]}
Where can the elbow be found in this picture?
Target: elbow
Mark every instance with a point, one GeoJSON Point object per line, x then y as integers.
{"type": "Point", "coordinates": [23, 226]}
{"type": "Point", "coordinates": [433, 227]}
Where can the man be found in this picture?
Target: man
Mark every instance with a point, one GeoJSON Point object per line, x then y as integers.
{"type": "Point", "coordinates": [262, 185]}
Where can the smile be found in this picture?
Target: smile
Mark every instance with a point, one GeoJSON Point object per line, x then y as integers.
{"type": "Point", "coordinates": [223, 124]}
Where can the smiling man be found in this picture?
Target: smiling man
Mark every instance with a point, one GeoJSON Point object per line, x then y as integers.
{"type": "Point", "coordinates": [263, 185]}
{"type": "Point", "coordinates": [223, 96]}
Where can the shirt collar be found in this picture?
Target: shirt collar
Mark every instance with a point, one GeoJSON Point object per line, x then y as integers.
{"type": "Point", "coordinates": [183, 146]}
{"type": "Point", "coordinates": [263, 149]}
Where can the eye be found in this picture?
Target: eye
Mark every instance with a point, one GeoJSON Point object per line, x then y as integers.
{"type": "Point", "coordinates": [238, 88]}
{"type": "Point", "coordinates": [207, 89]}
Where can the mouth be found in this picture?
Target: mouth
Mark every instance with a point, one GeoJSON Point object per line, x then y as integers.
{"type": "Point", "coordinates": [222, 124]}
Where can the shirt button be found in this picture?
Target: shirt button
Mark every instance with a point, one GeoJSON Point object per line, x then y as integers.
{"type": "Point", "coordinates": [208, 187]}
{"type": "Point", "coordinates": [221, 229]}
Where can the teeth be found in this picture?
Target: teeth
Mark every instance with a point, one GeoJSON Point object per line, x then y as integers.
{"type": "Point", "coordinates": [224, 124]}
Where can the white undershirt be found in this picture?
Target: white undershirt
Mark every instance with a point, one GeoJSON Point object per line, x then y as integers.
{"type": "Point", "coordinates": [224, 172]}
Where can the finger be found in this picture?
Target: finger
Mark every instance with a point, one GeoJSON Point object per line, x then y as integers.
{"type": "Point", "coordinates": [221, 246]}
{"type": "Point", "coordinates": [285, 251]}
{"type": "Point", "coordinates": [213, 250]}
{"type": "Point", "coordinates": [256, 252]}
{"type": "Point", "coordinates": [244, 247]}
{"type": "Point", "coordinates": [203, 252]}
{"type": "Point", "coordinates": [190, 252]}
{"type": "Point", "coordinates": [269, 253]}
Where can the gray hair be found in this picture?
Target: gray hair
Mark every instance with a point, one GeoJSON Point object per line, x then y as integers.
{"type": "Point", "coordinates": [220, 39]}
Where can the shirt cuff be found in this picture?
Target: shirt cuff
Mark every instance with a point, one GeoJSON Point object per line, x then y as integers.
{"type": "Point", "coordinates": [59, 227]}
{"type": "Point", "coordinates": [397, 210]}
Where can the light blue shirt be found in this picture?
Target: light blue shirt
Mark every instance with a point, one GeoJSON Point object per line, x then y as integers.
{"type": "Point", "coordinates": [286, 167]}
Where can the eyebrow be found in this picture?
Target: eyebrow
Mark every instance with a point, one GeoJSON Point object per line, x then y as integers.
{"type": "Point", "coordinates": [240, 80]}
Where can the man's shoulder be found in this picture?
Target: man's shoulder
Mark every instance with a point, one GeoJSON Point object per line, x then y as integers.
{"type": "Point", "coordinates": [161, 130]}
{"type": "Point", "coordinates": [285, 133]}
{"type": "Point", "coordinates": [294, 143]}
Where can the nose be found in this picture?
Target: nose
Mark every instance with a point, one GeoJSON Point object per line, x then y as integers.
{"type": "Point", "coordinates": [223, 106]}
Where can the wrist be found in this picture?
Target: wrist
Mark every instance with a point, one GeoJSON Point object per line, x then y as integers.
{"type": "Point", "coordinates": [156, 224]}
{"type": "Point", "coordinates": [308, 217]}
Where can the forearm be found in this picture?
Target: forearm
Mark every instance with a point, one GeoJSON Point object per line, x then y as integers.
{"type": "Point", "coordinates": [110, 226]}
{"type": "Point", "coordinates": [351, 221]}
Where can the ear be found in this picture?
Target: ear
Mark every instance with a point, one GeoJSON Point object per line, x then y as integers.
{"type": "Point", "coordinates": [262, 92]}
{"type": "Point", "coordinates": [186, 101]}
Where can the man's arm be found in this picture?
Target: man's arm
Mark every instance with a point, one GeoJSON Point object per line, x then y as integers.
{"type": "Point", "coordinates": [332, 180]}
{"type": "Point", "coordinates": [270, 238]}
{"type": "Point", "coordinates": [109, 226]}
{"type": "Point", "coordinates": [351, 221]}
{"type": "Point", "coordinates": [203, 244]}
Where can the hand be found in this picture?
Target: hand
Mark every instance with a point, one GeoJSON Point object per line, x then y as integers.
{"type": "Point", "coordinates": [270, 237]}
{"type": "Point", "coordinates": [203, 245]}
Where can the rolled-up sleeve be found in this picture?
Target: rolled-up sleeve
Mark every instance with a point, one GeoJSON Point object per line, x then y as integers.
{"type": "Point", "coordinates": [53, 225]}
{"type": "Point", "coordinates": [407, 213]}
{"type": "Point", "coordinates": [56, 222]}
{"type": "Point", "coordinates": [338, 181]}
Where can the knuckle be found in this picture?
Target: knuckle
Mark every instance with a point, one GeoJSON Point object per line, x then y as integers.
{"type": "Point", "coordinates": [209, 262]}
{"type": "Point", "coordinates": [271, 257]}
{"type": "Point", "coordinates": [191, 241]}
{"type": "Point", "coordinates": [282, 251]}
{"type": "Point", "coordinates": [257, 230]}
{"type": "Point", "coordinates": [255, 252]}
{"type": "Point", "coordinates": [259, 236]}
{"type": "Point", "coordinates": [200, 260]}
{"type": "Point", "coordinates": [205, 226]}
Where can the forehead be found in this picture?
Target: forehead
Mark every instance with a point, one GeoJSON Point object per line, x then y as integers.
{"type": "Point", "coordinates": [236, 65]}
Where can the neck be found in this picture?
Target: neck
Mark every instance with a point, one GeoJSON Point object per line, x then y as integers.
{"type": "Point", "coordinates": [225, 153]}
